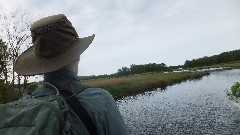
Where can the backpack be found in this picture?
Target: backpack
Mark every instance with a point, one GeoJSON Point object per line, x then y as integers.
{"type": "Point", "coordinates": [37, 115]}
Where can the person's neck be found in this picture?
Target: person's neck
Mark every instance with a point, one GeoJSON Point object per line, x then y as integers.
{"type": "Point", "coordinates": [60, 74]}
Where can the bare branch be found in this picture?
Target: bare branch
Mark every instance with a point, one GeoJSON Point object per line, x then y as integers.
{"type": "Point", "coordinates": [14, 31]}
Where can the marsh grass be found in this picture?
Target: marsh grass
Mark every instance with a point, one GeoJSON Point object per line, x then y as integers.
{"type": "Point", "coordinates": [138, 83]}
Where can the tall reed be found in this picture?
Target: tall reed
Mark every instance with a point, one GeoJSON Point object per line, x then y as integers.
{"type": "Point", "coordinates": [123, 86]}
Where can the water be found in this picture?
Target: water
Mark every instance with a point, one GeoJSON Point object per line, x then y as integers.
{"type": "Point", "coordinates": [192, 107]}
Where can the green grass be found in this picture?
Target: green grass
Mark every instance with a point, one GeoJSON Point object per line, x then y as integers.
{"type": "Point", "coordinates": [138, 83]}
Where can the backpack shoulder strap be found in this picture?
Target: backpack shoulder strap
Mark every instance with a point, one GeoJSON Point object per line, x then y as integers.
{"type": "Point", "coordinates": [78, 109]}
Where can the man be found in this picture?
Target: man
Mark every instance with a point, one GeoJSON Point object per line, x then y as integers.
{"type": "Point", "coordinates": [55, 53]}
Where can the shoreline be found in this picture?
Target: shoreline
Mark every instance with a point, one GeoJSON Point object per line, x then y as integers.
{"type": "Point", "coordinates": [140, 83]}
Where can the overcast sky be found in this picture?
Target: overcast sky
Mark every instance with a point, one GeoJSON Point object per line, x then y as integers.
{"type": "Point", "coordinates": [145, 31]}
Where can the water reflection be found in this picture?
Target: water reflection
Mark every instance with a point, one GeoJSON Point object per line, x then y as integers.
{"type": "Point", "coordinates": [192, 107]}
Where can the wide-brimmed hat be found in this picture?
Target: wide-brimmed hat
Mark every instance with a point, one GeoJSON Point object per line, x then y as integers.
{"type": "Point", "coordinates": [55, 45]}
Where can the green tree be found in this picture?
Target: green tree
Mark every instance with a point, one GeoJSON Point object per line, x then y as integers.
{"type": "Point", "coordinates": [215, 59]}
{"type": "Point", "coordinates": [3, 60]}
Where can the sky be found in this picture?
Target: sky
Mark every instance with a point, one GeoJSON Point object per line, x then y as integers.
{"type": "Point", "coordinates": [144, 31]}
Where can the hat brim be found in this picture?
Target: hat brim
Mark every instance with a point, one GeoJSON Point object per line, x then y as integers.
{"type": "Point", "coordinates": [29, 64]}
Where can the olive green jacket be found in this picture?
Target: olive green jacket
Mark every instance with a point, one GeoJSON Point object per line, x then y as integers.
{"type": "Point", "coordinates": [98, 103]}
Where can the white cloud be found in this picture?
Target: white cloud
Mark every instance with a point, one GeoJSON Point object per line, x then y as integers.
{"type": "Point", "coordinates": [143, 31]}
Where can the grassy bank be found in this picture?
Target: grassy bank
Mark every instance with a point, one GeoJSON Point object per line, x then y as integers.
{"type": "Point", "coordinates": [133, 84]}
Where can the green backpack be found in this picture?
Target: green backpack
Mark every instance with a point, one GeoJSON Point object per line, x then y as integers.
{"type": "Point", "coordinates": [42, 115]}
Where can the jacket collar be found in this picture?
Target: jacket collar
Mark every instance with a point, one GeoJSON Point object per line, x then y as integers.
{"type": "Point", "coordinates": [60, 76]}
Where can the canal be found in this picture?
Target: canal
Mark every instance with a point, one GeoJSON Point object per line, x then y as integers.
{"type": "Point", "coordinates": [192, 107]}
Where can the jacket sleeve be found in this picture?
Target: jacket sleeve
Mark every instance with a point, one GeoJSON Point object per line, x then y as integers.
{"type": "Point", "coordinates": [104, 112]}
{"type": "Point", "coordinates": [113, 118]}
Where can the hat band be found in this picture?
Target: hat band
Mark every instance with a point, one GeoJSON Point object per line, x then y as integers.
{"type": "Point", "coordinates": [49, 27]}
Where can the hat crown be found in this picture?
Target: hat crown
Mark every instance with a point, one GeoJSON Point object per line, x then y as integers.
{"type": "Point", "coordinates": [47, 20]}
{"type": "Point", "coordinates": [52, 36]}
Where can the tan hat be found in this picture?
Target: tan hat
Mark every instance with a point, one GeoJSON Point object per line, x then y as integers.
{"type": "Point", "coordinates": [55, 45]}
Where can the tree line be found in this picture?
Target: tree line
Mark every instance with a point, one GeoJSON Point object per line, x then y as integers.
{"type": "Point", "coordinates": [224, 57]}
{"type": "Point", "coordinates": [138, 69]}
{"type": "Point", "coordinates": [134, 69]}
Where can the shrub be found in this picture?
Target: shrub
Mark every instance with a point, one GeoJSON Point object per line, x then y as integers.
{"type": "Point", "coordinates": [235, 91]}
{"type": "Point", "coordinates": [3, 89]}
